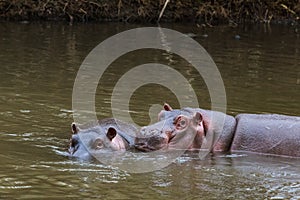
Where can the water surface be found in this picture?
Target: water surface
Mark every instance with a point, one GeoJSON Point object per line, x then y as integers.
{"type": "Point", "coordinates": [39, 62]}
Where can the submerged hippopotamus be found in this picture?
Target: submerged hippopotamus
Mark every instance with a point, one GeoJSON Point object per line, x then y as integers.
{"type": "Point", "coordinates": [183, 131]}
{"type": "Point", "coordinates": [259, 133]}
{"type": "Point", "coordinates": [105, 135]}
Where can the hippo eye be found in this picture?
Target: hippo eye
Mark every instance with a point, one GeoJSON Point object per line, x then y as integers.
{"type": "Point", "coordinates": [98, 144]}
{"type": "Point", "coordinates": [182, 122]}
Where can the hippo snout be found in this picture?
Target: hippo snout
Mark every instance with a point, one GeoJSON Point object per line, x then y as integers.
{"type": "Point", "coordinates": [145, 132]}
{"type": "Point", "coordinates": [151, 140]}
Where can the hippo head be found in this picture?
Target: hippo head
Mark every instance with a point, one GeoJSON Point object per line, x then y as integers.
{"type": "Point", "coordinates": [85, 142]}
{"type": "Point", "coordinates": [176, 129]}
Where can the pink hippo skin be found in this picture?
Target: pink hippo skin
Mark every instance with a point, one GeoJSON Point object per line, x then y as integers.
{"type": "Point", "coordinates": [165, 133]}
{"type": "Point", "coordinates": [104, 136]}
{"type": "Point", "coordinates": [263, 133]}
{"type": "Point", "coordinates": [180, 132]}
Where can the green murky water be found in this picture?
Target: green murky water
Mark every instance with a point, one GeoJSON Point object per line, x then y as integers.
{"type": "Point", "coordinates": [39, 62]}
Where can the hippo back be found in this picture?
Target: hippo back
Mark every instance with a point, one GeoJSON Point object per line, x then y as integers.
{"type": "Point", "coordinates": [268, 134]}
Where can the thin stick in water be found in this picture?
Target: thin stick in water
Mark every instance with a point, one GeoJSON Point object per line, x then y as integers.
{"type": "Point", "coordinates": [162, 11]}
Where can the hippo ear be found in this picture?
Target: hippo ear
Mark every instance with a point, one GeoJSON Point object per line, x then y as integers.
{"type": "Point", "coordinates": [74, 128]}
{"type": "Point", "coordinates": [167, 107]}
{"type": "Point", "coordinates": [111, 133]}
{"type": "Point", "coordinates": [198, 118]}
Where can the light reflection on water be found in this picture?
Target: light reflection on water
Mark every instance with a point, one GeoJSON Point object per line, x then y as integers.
{"type": "Point", "coordinates": [38, 67]}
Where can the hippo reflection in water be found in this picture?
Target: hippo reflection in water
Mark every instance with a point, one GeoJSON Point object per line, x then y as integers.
{"type": "Point", "coordinates": [106, 135]}
{"type": "Point", "coordinates": [260, 133]}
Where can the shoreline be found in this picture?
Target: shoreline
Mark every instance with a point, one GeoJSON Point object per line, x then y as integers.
{"type": "Point", "coordinates": [205, 12]}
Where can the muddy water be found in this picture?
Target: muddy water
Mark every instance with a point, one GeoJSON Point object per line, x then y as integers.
{"type": "Point", "coordinates": [39, 62]}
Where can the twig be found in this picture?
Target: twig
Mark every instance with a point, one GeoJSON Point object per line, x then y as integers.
{"type": "Point", "coordinates": [45, 4]}
{"type": "Point", "coordinates": [288, 9]}
{"type": "Point", "coordinates": [162, 11]}
{"type": "Point", "coordinates": [119, 7]}
{"type": "Point", "coordinates": [94, 3]}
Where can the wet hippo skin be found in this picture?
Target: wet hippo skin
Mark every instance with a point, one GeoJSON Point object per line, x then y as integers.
{"type": "Point", "coordinates": [212, 123]}
{"type": "Point", "coordinates": [102, 136]}
{"type": "Point", "coordinates": [267, 133]}
{"type": "Point", "coordinates": [260, 133]}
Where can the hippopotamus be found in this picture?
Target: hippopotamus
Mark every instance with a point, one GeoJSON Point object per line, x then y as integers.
{"type": "Point", "coordinates": [259, 133]}
{"type": "Point", "coordinates": [180, 132]}
{"type": "Point", "coordinates": [105, 135]}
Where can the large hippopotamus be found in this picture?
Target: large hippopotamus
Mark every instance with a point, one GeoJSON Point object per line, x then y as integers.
{"type": "Point", "coordinates": [105, 135]}
{"type": "Point", "coordinates": [259, 133]}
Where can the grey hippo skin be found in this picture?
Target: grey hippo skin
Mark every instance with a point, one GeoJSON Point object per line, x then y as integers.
{"type": "Point", "coordinates": [267, 133]}
{"type": "Point", "coordinates": [259, 133]}
{"type": "Point", "coordinates": [105, 135]}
